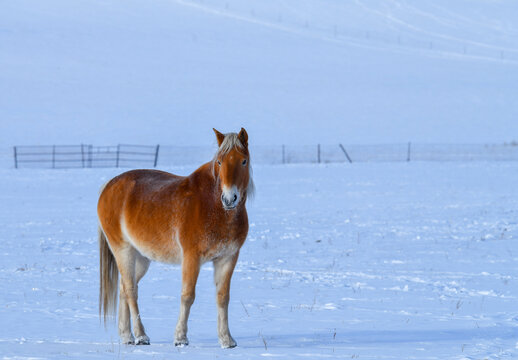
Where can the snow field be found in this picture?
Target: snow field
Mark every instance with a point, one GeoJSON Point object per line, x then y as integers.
{"type": "Point", "coordinates": [369, 261]}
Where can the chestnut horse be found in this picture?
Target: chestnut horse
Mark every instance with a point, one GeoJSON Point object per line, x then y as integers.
{"type": "Point", "coordinates": [154, 215]}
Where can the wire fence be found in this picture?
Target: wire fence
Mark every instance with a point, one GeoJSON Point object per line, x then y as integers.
{"type": "Point", "coordinates": [348, 153]}
{"type": "Point", "coordinates": [132, 156]}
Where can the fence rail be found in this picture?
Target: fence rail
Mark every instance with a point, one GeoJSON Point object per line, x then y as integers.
{"type": "Point", "coordinates": [85, 156]}
{"type": "Point", "coordinates": [125, 155]}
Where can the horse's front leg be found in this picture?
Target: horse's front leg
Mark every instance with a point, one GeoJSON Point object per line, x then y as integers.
{"type": "Point", "coordinates": [190, 271]}
{"type": "Point", "coordinates": [223, 269]}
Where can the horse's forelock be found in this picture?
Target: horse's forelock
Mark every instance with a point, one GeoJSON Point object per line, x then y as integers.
{"type": "Point", "coordinates": [231, 141]}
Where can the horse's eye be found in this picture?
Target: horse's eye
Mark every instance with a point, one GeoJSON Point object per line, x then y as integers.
{"type": "Point", "coordinates": [219, 162]}
{"type": "Point", "coordinates": [244, 162]}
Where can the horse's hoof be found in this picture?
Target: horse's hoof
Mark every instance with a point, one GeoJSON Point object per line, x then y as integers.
{"type": "Point", "coordinates": [228, 343]}
{"type": "Point", "coordinates": [128, 339]}
{"type": "Point", "coordinates": [181, 342]}
{"type": "Point", "coordinates": [142, 340]}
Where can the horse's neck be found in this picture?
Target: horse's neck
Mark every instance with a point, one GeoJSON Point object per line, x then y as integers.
{"type": "Point", "coordinates": [203, 179]}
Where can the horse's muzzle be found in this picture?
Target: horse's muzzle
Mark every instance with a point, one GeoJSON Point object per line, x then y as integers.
{"type": "Point", "coordinates": [229, 204]}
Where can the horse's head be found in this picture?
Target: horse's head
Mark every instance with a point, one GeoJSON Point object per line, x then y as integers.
{"type": "Point", "coordinates": [231, 166]}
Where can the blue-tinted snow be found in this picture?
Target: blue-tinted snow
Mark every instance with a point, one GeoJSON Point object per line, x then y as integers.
{"type": "Point", "coordinates": [377, 261]}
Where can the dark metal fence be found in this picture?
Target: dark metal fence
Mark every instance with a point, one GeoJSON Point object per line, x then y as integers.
{"type": "Point", "coordinates": [85, 156]}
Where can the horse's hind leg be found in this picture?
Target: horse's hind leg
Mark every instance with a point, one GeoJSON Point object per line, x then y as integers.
{"type": "Point", "coordinates": [132, 267]}
{"type": "Point", "coordinates": [124, 318]}
{"type": "Point", "coordinates": [223, 269]}
{"type": "Point", "coordinates": [141, 267]}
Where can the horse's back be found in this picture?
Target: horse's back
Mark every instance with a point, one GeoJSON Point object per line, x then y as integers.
{"type": "Point", "coordinates": [134, 208]}
{"type": "Point", "coordinates": [145, 176]}
{"type": "Point", "coordinates": [135, 185]}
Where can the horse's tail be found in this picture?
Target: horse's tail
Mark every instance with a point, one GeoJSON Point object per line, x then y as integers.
{"type": "Point", "coordinates": [108, 278]}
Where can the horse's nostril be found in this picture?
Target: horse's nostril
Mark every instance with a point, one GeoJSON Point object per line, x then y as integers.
{"type": "Point", "coordinates": [235, 198]}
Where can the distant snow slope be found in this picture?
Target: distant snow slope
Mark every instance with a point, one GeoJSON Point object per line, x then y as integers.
{"type": "Point", "coordinates": [365, 261]}
{"type": "Point", "coordinates": [292, 71]}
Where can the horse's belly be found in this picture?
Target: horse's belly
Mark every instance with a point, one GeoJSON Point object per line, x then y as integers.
{"type": "Point", "coordinates": [158, 247]}
{"type": "Point", "coordinates": [220, 249]}
{"type": "Point", "coordinates": [169, 253]}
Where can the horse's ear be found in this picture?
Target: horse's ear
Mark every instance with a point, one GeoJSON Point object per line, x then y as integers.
{"type": "Point", "coordinates": [219, 136]}
{"type": "Point", "coordinates": [243, 137]}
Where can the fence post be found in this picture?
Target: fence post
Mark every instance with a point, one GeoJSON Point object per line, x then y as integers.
{"type": "Point", "coordinates": [53, 156]}
{"type": "Point", "coordinates": [283, 154]}
{"type": "Point", "coordinates": [156, 155]}
{"type": "Point", "coordinates": [408, 152]}
{"type": "Point", "coordinates": [118, 152]}
{"type": "Point", "coordinates": [318, 153]}
{"type": "Point", "coordinates": [82, 156]}
{"type": "Point", "coordinates": [346, 154]}
{"type": "Point", "coordinates": [89, 156]}
{"type": "Point", "coordinates": [15, 158]}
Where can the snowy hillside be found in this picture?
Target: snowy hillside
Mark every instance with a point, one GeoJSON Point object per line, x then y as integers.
{"type": "Point", "coordinates": [300, 72]}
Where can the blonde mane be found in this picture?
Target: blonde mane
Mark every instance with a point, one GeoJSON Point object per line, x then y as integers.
{"type": "Point", "coordinates": [231, 141]}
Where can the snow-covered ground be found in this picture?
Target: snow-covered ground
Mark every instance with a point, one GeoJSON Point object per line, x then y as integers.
{"type": "Point", "coordinates": [292, 71]}
{"type": "Point", "coordinates": [363, 260]}
{"type": "Point", "coordinates": [367, 261]}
